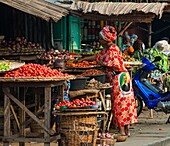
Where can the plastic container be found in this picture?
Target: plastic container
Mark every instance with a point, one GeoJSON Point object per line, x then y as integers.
{"type": "Point", "coordinates": [100, 77]}
{"type": "Point", "coordinates": [95, 106]}
{"type": "Point", "coordinates": [63, 107]}
{"type": "Point", "coordinates": [78, 83]}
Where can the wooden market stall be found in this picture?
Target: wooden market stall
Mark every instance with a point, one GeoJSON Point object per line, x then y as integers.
{"type": "Point", "coordinates": [25, 28]}
{"type": "Point", "coordinates": [123, 14]}
{"type": "Point", "coordinates": [46, 84]}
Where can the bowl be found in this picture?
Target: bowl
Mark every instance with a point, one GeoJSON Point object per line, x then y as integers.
{"type": "Point", "coordinates": [87, 107]}
{"type": "Point", "coordinates": [63, 107]}
{"type": "Point", "coordinates": [120, 138]}
{"type": "Point", "coordinates": [107, 141]}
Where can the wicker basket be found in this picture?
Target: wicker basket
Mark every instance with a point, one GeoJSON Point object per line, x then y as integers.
{"type": "Point", "coordinates": [110, 142]}
{"type": "Point", "coordinates": [77, 130]}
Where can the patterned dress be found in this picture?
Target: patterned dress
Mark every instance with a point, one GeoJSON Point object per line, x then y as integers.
{"type": "Point", "coordinates": [124, 107]}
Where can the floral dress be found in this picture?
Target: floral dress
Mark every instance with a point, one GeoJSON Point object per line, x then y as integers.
{"type": "Point", "coordinates": [124, 107]}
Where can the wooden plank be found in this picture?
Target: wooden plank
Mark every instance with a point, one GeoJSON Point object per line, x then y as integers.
{"type": "Point", "coordinates": [103, 101]}
{"type": "Point", "coordinates": [24, 140]}
{"type": "Point", "coordinates": [15, 116]}
{"type": "Point", "coordinates": [22, 92]}
{"type": "Point", "coordinates": [32, 84]}
{"type": "Point", "coordinates": [6, 116]}
{"type": "Point", "coordinates": [36, 114]}
{"type": "Point", "coordinates": [55, 138]}
{"type": "Point", "coordinates": [79, 113]}
{"type": "Point", "coordinates": [47, 113]}
{"type": "Point", "coordinates": [6, 92]}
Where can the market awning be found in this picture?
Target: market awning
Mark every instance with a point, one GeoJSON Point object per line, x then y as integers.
{"type": "Point", "coordinates": [39, 8]}
{"type": "Point", "coordinates": [119, 11]}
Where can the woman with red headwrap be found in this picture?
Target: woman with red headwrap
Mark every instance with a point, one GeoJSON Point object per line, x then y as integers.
{"type": "Point", "coordinates": [124, 107]}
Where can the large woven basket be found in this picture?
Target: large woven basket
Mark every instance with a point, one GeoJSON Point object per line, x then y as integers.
{"type": "Point", "coordinates": [79, 130]}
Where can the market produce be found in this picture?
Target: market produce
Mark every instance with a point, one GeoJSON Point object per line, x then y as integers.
{"type": "Point", "coordinates": [47, 55]}
{"type": "Point", "coordinates": [81, 64]}
{"type": "Point", "coordinates": [4, 66]}
{"type": "Point", "coordinates": [94, 84]}
{"type": "Point", "coordinates": [34, 70]}
{"type": "Point", "coordinates": [20, 45]}
{"type": "Point", "coordinates": [91, 72]}
{"type": "Point", "coordinates": [105, 135]}
{"type": "Point", "coordinates": [127, 57]}
{"type": "Point", "coordinates": [77, 103]}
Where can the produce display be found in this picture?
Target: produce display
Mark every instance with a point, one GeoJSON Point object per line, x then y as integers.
{"type": "Point", "coordinates": [81, 64]}
{"type": "Point", "coordinates": [77, 103]}
{"type": "Point", "coordinates": [19, 45]}
{"type": "Point", "coordinates": [93, 52]}
{"type": "Point", "coordinates": [9, 65]}
{"type": "Point", "coordinates": [127, 57]}
{"type": "Point", "coordinates": [90, 72]}
{"type": "Point", "coordinates": [105, 135]}
{"type": "Point", "coordinates": [94, 84]}
{"type": "Point", "coordinates": [34, 70]}
{"type": "Point", "coordinates": [4, 66]}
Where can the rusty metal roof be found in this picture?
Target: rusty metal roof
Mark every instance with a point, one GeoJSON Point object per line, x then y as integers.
{"type": "Point", "coordinates": [39, 8]}
{"type": "Point", "coordinates": [118, 8]}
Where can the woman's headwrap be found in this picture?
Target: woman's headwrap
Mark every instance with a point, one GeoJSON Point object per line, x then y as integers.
{"type": "Point", "coordinates": [108, 33]}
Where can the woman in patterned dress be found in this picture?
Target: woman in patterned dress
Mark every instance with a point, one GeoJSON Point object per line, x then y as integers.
{"type": "Point", "coordinates": [124, 107]}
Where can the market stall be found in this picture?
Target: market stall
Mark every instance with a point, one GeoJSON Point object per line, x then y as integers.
{"type": "Point", "coordinates": [23, 78]}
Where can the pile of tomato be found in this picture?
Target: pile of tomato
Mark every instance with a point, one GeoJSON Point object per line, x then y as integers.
{"type": "Point", "coordinates": [77, 103]}
{"type": "Point", "coordinates": [91, 72]}
{"type": "Point", "coordinates": [81, 64]}
{"type": "Point", "coordinates": [34, 70]}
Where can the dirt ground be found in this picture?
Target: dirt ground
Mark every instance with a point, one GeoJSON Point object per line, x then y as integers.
{"type": "Point", "coordinates": [145, 121]}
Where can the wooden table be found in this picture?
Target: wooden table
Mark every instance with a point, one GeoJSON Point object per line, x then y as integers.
{"type": "Point", "coordinates": [132, 65]}
{"type": "Point", "coordinates": [46, 84]}
{"type": "Point", "coordinates": [95, 93]}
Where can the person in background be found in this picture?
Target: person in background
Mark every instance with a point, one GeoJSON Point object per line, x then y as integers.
{"type": "Point", "coordinates": [60, 66]}
{"type": "Point", "coordinates": [125, 41]}
{"type": "Point", "coordinates": [159, 49]}
{"type": "Point", "coordinates": [127, 47]}
{"type": "Point", "coordinates": [139, 49]}
{"type": "Point", "coordinates": [123, 106]}
{"type": "Point", "coordinates": [163, 45]}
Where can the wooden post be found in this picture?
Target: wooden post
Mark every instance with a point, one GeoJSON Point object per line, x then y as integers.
{"type": "Point", "coordinates": [150, 36]}
{"type": "Point", "coordinates": [47, 113]}
{"type": "Point", "coordinates": [118, 37]}
{"type": "Point", "coordinates": [6, 117]}
{"type": "Point", "coordinates": [22, 114]}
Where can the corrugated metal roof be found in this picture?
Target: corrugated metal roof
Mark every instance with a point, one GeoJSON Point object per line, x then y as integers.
{"type": "Point", "coordinates": [39, 8]}
{"type": "Point", "coordinates": [118, 8]}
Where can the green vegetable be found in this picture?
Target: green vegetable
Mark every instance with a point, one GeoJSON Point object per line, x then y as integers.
{"type": "Point", "coordinates": [4, 66]}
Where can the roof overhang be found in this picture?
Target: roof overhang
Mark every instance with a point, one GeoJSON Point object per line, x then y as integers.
{"type": "Point", "coordinates": [116, 11]}
{"type": "Point", "coordinates": [39, 8]}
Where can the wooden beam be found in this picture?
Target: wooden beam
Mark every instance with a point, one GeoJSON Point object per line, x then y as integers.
{"type": "Point", "coordinates": [6, 92]}
{"type": "Point", "coordinates": [134, 17]}
{"type": "Point", "coordinates": [124, 29]}
{"type": "Point", "coordinates": [15, 116]}
{"type": "Point", "coordinates": [7, 126]}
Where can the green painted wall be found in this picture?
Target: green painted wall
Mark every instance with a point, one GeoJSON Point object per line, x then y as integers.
{"type": "Point", "coordinates": [74, 34]}
{"type": "Point", "coordinates": [60, 33]}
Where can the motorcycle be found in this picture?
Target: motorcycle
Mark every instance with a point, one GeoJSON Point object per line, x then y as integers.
{"type": "Point", "coordinates": [146, 92]}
